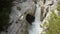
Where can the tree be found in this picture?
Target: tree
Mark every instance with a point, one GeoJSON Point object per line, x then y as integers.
{"type": "Point", "coordinates": [5, 9]}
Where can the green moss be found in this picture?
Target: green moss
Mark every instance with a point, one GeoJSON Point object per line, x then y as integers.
{"type": "Point", "coordinates": [54, 24]}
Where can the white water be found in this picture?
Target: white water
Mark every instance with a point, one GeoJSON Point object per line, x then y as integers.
{"type": "Point", "coordinates": [35, 28]}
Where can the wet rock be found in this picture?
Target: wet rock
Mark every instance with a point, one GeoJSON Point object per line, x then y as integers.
{"type": "Point", "coordinates": [42, 11]}
{"type": "Point", "coordinates": [30, 18]}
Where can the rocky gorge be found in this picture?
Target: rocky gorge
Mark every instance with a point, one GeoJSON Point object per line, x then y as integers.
{"type": "Point", "coordinates": [31, 16]}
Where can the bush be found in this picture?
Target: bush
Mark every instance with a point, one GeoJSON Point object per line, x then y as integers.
{"type": "Point", "coordinates": [5, 9]}
{"type": "Point", "coordinates": [54, 24]}
{"type": "Point", "coordinates": [58, 8]}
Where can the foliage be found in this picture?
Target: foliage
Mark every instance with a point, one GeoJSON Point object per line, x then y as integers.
{"type": "Point", "coordinates": [58, 7]}
{"type": "Point", "coordinates": [54, 24]}
{"type": "Point", "coordinates": [5, 9]}
{"type": "Point", "coordinates": [44, 24]}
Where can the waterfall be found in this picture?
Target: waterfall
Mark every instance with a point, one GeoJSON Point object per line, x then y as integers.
{"type": "Point", "coordinates": [35, 28]}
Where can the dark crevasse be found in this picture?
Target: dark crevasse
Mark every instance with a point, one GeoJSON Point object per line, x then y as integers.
{"type": "Point", "coordinates": [30, 18]}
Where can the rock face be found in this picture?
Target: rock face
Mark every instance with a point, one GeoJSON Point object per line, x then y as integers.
{"type": "Point", "coordinates": [21, 1]}
{"type": "Point", "coordinates": [30, 18]}
{"type": "Point", "coordinates": [18, 16]}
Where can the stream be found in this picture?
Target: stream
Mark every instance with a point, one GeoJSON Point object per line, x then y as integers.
{"type": "Point", "coordinates": [35, 28]}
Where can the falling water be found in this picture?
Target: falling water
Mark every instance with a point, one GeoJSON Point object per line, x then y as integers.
{"type": "Point", "coordinates": [35, 28]}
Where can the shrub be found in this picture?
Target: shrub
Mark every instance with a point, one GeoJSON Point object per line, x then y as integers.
{"type": "Point", "coordinates": [5, 9]}
{"type": "Point", "coordinates": [54, 24]}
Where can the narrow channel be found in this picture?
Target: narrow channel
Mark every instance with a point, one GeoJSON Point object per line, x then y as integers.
{"type": "Point", "coordinates": [35, 28]}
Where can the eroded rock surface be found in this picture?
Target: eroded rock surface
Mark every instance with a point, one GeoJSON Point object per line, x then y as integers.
{"type": "Point", "coordinates": [20, 26]}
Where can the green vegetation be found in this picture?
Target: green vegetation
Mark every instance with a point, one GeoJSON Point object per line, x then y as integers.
{"type": "Point", "coordinates": [5, 9]}
{"type": "Point", "coordinates": [44, 24]}
{"type": "Point", "coordinates": [58, 8]}
{"type": "Point", "coordinates": [54, 24]}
